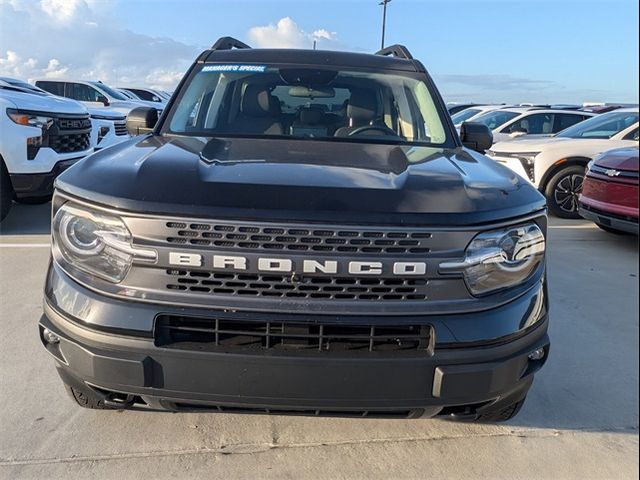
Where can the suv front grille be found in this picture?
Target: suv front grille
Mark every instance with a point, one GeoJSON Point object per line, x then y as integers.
{"type": "Point", "coordinates": [69, 143]}
{"type": "Point", "coordinates": [273, 238]}
{"type": "Point", "coordinates": [203, 333]}
{"type": "Point", "coordinates": [309, 287]}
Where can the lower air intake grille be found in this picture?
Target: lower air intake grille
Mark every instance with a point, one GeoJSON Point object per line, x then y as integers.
{"type": "Point", "coordinates": [283, 286]}
{"type": "Point", "coordinates": [203, 334]}
{"type": "Point", "coordinates": [304, 412]}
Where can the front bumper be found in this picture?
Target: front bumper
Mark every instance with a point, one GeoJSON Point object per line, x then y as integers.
{"type": "Point", "coordinates": [27, 185]}
{"type": "Point", "coordinates": [457, 377]}
{"type": "Point", "coordinates": [608, 219]}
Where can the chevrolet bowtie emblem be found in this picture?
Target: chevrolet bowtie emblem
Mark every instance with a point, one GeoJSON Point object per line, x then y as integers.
{"type": "Point", "coordinates": [611, 172]}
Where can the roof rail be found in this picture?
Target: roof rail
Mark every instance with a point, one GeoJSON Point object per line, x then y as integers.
{"type": "Point", "coordinates": [399, 51]}
{"type": "Point", "coordinates": [228, 43]}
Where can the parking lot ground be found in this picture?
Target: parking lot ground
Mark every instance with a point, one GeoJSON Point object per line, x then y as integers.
{"type": "Point", "coordinates": [580, 420]}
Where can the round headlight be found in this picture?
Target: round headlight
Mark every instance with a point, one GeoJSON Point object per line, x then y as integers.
{"type": "Point", "coordinates": [79, 235]}
{"type": "Point", "coordinates": [500, 259]}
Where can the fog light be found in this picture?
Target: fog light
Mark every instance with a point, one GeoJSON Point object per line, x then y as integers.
{"type": "Point", "coordinates": [537, 354]}
{"type": "Point", "coordinates": [50, 337]}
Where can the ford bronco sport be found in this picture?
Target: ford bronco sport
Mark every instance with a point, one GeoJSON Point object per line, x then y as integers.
{"type": "Point", "coordinates": [302, 232]}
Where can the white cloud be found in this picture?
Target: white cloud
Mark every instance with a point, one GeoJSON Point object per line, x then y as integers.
{"type": "Point", "coordinates": [287, 34]}
{"type": "Point", "coordinates": [81, 39]}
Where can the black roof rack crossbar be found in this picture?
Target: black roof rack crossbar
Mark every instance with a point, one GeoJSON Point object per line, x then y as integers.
{"type": "Point", "coordinates": [399, 51]}
{"type": "Point", "coordinates": [228, 43]}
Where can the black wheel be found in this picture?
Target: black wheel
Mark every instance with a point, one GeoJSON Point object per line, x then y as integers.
{"type": "Point", "coordinates": [562, 191]}
{"type": "Point", "coordinates": [6, 192]}
{"type": "Point", "coordinates": [611, 230]}
{"type": "Point", "coordinates": [85, 398]}
{"type": "Point", "coordinates": [34, 200]}
{"type": "Point", "coordinates": [502, 415]}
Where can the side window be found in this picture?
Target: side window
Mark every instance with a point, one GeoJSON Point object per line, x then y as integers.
{"type": "Point", "coordinates": [82, 93]}
{"type": "Point", "coordinates": [566, 120]}
{"type": "Point", "coordinates": [534, 124]}
{"type": "Point", "coordinates": [144, 95]}
{"type": "Point", "coordinates": [632, 135]}
{"type": "Point", "coordinates": [56, 88]}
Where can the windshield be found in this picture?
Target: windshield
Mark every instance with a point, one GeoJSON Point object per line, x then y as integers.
{"type": "Point", "coordinates": [109, 91]}
{"type": "Point", "coordinates": [496, 118]}
{"type": "Point", "coordinates": [602, 126]}
{"type": "Point", "coordinates": [307, 103]}
{"type": "Point", "coordinates": [26, 86]}
{"type": "Point", "coordinates": [464, 115]}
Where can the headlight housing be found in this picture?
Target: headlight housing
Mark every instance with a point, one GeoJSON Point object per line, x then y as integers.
{"type": "Point", "coordinates": [500, 259]}
{"type": "Point", "coordinates": [30, 119]}
{"type": "Point", "coordinates": [94, 243]}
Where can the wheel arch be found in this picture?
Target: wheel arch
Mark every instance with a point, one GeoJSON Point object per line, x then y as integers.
{"type": "Point", "coordinates": [559, 165]}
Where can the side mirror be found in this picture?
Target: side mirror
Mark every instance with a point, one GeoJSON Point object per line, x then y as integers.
{"type": "Point", "coordinates": [141, 120]}
{"type": "Point", "coordinates": [104, 100]}
{"type": "Point", "coordinates": [476, 136]}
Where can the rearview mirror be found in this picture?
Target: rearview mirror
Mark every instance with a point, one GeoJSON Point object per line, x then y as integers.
{"type": "Point", "coordinates": [306, 92]}
{"type": "Point", "coordinates": [141, 120]}
{"type": "Point", "coordinates": [476, 136]}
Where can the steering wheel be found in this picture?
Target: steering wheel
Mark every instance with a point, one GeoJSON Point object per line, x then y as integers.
{"type": "Point", "coordinates": [380, 128]}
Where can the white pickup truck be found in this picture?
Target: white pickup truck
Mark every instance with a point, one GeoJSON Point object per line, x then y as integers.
{"type": "Point", "coordinates": [40, 136]}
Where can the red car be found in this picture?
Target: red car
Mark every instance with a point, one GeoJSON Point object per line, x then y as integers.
{"type": "Point", "coordinates": [610, 191]}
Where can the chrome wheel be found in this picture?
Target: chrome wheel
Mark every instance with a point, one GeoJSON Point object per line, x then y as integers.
{"type": "Point", "coordinates": [567, 192]}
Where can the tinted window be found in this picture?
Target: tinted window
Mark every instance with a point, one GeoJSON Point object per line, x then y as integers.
{"type": "Point", "coordinates": [632, 135]}
{"type": "Point", "coordinates": [495, 119]}
{"type": "Point", "coordinates": [566, 120]}
{"type": "Point", "coordinates": [83, 93]}
{"type": "Point", "coordinates": [603, 126]}
{"type": "Point", "coordinates": [144, 95]}
{"type": "Point", "coordinates": [534, 124]}
{"type": "Point", "coordinates": [57, 88]}
{"type": "Point", "coordinates": [464, 115]}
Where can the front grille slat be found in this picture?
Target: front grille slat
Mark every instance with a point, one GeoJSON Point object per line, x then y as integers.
{"type": "Point", "coordinates": [259, 285]}
{"type": "Point", "coordinates": [268, 238]}
{"type": "Point", "coordinates": [204, 333]}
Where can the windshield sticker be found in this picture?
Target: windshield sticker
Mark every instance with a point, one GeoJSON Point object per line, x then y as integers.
{"type": "Point", "coordinates": [235, 68]}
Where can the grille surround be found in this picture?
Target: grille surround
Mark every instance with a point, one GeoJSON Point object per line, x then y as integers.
{"type": "Point", "coordinates": [263, 336]}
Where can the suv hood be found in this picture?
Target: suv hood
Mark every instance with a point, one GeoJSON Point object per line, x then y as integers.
{"type": "Point", "coordinates": [105, 113]}
{"type": "Point", "coordinates": [619, 159]}
{"type": "Point", "coordinates": [531, 144]}
{"type": "Point", "coordinates": [43, 103]}
{"type": "Point", "coordinates": [301, 180]}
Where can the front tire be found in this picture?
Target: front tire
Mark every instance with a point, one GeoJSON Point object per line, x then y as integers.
{"type": "Point", "coordinates": [502, 415]}
{"type": "Point", "coordinates": [85, 398]}
{"type": "Point", "coordinates": [6, 192]}
{"type": "Point", "coordinates": [562, 192]}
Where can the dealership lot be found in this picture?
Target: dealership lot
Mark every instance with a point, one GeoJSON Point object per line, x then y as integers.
{"type": "Point", "coordinates": [580, 420]}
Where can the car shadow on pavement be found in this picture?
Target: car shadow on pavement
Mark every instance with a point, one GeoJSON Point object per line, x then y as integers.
{"type": "Point", "coordinates": [27, 220]}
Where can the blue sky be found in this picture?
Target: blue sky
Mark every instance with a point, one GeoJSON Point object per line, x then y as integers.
{"type": "Point", "coordinates": [512, 51]}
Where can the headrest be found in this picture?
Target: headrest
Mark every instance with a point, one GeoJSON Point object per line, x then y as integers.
{"type": "Point", "coordinates": [257, 101]}
{"type": "Point", "coordinates": [311, 116]}
{"type": "Point", "coordinates": [362, 105]}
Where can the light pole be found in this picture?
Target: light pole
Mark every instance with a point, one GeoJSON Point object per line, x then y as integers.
{"type": "Point", "coordinates": [384, 19]}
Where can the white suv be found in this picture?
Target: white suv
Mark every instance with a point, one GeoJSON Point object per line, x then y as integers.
{"type": "Point", "coordinates": [94, 94]}
{"type": "Point", "coordinates": [471, 113]}
{"type": "Point", "coordinates": [556, 165]}
{"type": "Point", "coordinates": [508, 123]}
{"type": "Point", "coordinates": [40, 136]}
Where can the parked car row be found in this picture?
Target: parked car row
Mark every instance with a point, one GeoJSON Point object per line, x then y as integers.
{"type": "Point", "coordinates": [551, 146]}
{"type": "Point", "coordinates": [47, 127]}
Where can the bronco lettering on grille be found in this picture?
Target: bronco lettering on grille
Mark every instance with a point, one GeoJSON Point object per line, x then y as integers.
{"type": "Point", "coordinates": [286, 265]}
